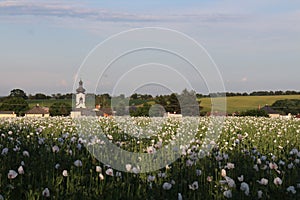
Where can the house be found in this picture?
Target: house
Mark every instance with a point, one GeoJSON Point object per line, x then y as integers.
{"type": "Point", "coordinates": [271, 112]}
{"type": "Point", "coordinates": [7, 114]}
{"type": "Point", "coordinates": [172, 115]}
{"type": "Point", "coordinates": [38, 111]}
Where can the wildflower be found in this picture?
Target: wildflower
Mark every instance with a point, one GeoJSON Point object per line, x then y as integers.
{"type": "Point", "coordinates": [55, 149]}
{"type": "Point", "coordinates": [258, 161]}
{"type": "Point", "coordinates": [151, 150]}
{"type": "Point", "coordinates": [277, 181]}
{"type": "Point", "coordinates": [78, 163]}
{"type": "Point", "coordinates": [1, 197]}
{"type": "Point", "coordinates": [173, 182]}
{"type": "Point", "coordinates": [101, 176]}
{"type": "Point", "coordinates": [179, 196]}
{"type": "Point", "coordinates": [109, 172]}
{"type": "Point", "coordinates": [26, 153]}
{"type": "Point", "coordinates": [290, 166]}
{"type": "Point", "coordinates": [12, 174]}
{"type": "Point", "coordinates": [194, 186]}
{"type": "Point", "coordinates": [291, 189]}
{"type": "Point", "coordinates": [98, 169]}
{"type": "Point", "coordinates": [128, 167]}
{"type": "Point", "coordinates": [229, 166]}
{"type": "Point", "coordinates": [273, 166]}
{"type": "Point", "coordinates": [198, 172]}
{"type": "Point", "coordinates": [189, 163]}
{"type": "Point", "coordinates": [135, 170]}
{"type": "Point", "coordinates": [46, 192]}
{"type": "Point", "coordinates": [22, 163]}
{"type": "Point", "coordinates": [256, 168]}
{"type": "Point", "coordinates": [209, 178]}
{"type": "Point", "coordinates": [21, 170]}
{"type": "Point", "coordinates": [65, 173]}
{"type": "Point", "coordinates": [227, 194]}
{"type": "Point", "coordinates": [4, 151]}
{"type": "Point", "coordinates": [167, 186]}
{"type": "Point", "coordinates": [263, 181]}
{"type": "Point", "coordinates": [245, 188]}
{"type": "Point", "coordinates": [241, 178]}
{"type": "Point", "coordinates": [57, 166]}
{"type": "Point", "coordinates": [230, 181]}
{"type": "Point", "coordinates": [161, 175]}
{"type": "Point", "coordinates": [223, 172]}
{"type": "Point", "coordinates": [150, 178]}
{"type": "Point", "coordinates": [259, 194]}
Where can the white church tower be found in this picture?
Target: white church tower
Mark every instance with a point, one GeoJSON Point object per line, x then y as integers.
{"type": "Point", "coordinates": [80, 96]}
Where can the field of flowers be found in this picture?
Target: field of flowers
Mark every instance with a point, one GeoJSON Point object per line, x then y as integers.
{"type": "Point", "coordinates": [250, 158]}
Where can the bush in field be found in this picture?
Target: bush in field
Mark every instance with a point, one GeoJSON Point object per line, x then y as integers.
{"type": "Point", "coordinates": [255, 113]}
{"type": "Point", "coordinates": [60, 109]}
{"type": "Point", "coordinates": [287, 106]}
{"type": "Point", "coordinates": [16, 104]}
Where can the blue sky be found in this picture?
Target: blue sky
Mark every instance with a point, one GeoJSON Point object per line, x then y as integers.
{"type": "Point", "coordinates": [255, 44]}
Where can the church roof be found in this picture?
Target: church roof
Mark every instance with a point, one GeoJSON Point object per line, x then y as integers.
{"type": "Point", "coordinates": [80, 89]}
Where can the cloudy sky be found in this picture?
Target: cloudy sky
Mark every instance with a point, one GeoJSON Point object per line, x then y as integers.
{"type": "Point", "coordinates": [254, 44]}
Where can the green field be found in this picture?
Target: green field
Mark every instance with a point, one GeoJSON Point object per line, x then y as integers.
{"type": "Point", "coordinates": [48, 102]}
{"type": "Point", "coordinates": [242, 103]}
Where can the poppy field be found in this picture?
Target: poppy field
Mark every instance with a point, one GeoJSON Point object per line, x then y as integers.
{"type": "Point", "coordinates": [248, 158]}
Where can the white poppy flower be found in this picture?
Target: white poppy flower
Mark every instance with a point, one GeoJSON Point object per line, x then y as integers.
{"type": "Point", "coordinates": [4, 151]}
{"type": "Point", "coordinates": [277, 181]}
{"type": "Point", "coordinates": [65, 173]}
{"type": "Point", "coordinates": [55, 149]}
{"type": "Point", "coordinates": [98, 169]}
{"type": "Point", "coordinates": [230, 182]}
{"type": "Point", "coordinates": [167, 186]}
{"type": "Point", "coordinates": [194, 186]}
{"type": "Point", "coordinates": [128, 167]}
{"type": "Point", "coordinates": [227, 194]}
{"type": "Point", "coordinates": [101, 176]}
{"type": "Point", "coordinates": [291, 189]}
{"type": "Point", "coordinates": [241, 178]}
{"type": "Point", "coordinates": [46, 192]}
{"type": "Point", "coordinates": [259, 194]}
{"type": "Point", "coordinates": [12, 174]}
{"type": "Point", "coordinates": [109, 172]}
{"type": "Point", "coordinates": [78, 163]}
{"type": "Point", "coordinates": [21, 170]}
{"type": "Point", "coordinates": [150, 178]}
{"type": "Point", "coordinates": [223, 172]}
{"type": "Point", "coordinates": [179, 196]}
{"type": "Point", "coordinates": [26, 153]}
{"type": "Point", "coordinates": [263, 181]}
{"type": "Point", "coordinates": [245, 188]}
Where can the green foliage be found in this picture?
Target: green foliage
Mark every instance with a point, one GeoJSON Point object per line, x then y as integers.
{"type": "Point", "coordinates": [18, 93]}
{"type": "Point", "coordinates": [255, 113]}
{"type": "Point", "coordinates": [60, 109]}
{"type": "Point", "coordinates": [287, 106]}
{"type": "Point", "coordinates": [16, 104]}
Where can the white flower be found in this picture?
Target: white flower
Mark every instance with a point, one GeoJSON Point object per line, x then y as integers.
{"type": "Point", "coordinates": [173, 182]}
{"type": "Point", "coordinates": [135, 170]}
{"type": "Point", "coordinates": [241, 178]}
{"type": "Point", "coordinates": [26, 153]}
{"type": "Point", "coordinates": [101, 176]}
{"type": "Point", "coordinates": [297, 161]}
{"type": "Point", "coordinates": [198, 172]}
{"type": "Point", "coordinates": [189, 163]}
{"type": "Point", "coordinates": [256, 168]}
{"type": "Point", "coordinates": [151, 150]}
{"type": "Point", "coordinates": [78, 163]}
{"type": "Point", "coordinates": [277, 181]}
{"type": "Point", "coordinates": [65, 173]}
{"type": "Point", "coordinates": [57, 166]}
{"type": "Point", "coordinates": [229, 166]}
{"type": "Point", "coordinates": [227, 194]}
{"type": "Point", "coordinates": [4, 151]}
{"type": "Point", "coordinates": [194, 186]}
{"type": "Point", "coordinates": [273, 166]}
{"type": "Point", "coordinates": [223, 172]}
{"type": "Point", "coordinates": [258, 161]}
{"type": "Point", "coordinates": [259, 194]}
{"type": "Point", "coordinates": [167, 186]}
{"type": "Point", "coordinates": [98, 169]}
{"type": "Point", "coordinates": [12, 174]}
{"type": "Point", "coordinates": [179, 196]}
{"type": "Point", "coordinates": [230, 181]}
{"type": "Point", "coordinates": [290, 166]}
{"type": "Point", "coordinates": [263, 181]}
{"type": "Point", "coordinates": [1, 197]}
{"type": "Point", "coordinates": [161, 175]}
{"type": "Point", "coordinates": [128, 167]}
{"type": "Point", "coordinates": [150, 178]}
{"type": "Point", "coordinates": [21, 170]}
{"type": "Point", "coordinates": [55, 149]}
{"type": "Point", "coordinates": [109, 172]}
{"type": "Point", "coordinates": [46, 192]}
{"type": "Point", "coordinates": [291, 189]}
{"type": "Point", "coordinates": [245, 187]}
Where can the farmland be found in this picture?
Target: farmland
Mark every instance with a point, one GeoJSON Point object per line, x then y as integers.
{"type": "Point", "coordinates": [246, 158]}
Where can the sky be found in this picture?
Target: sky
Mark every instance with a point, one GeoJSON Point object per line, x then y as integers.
{"type": "Point", "coordinates": [45, 45]}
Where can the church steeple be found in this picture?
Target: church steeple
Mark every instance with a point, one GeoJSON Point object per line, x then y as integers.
{"type": "Point", "coordinates": [80, 89]}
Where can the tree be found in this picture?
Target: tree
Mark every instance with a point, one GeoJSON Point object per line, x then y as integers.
{"type": "Point", "coordinates": [287, 106]}
{"type": "Point", "coordinates": [255, 113]}
{"type": "Point", "coordinates": [18, 93]}
{"type": "Point", "coordinates": [16, 104]}
{"type": "Point", "coordinates": [60, 109]}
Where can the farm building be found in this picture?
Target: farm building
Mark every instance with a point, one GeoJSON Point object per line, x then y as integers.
{"type": "Point", "coordinates": [4, 114]}
{"type": "Point", "coordinates": [38, 111]}
{"type": "Point", "coordinates": [271, 112]}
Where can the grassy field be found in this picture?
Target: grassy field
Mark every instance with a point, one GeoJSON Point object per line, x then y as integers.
{"type": "Point", "coordinates": [242, 103]}
{"type": "Point", "coordinates": [48, 102]}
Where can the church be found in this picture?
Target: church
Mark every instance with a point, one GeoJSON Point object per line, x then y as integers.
{"type": "Point", "coordinates": [80, 107]}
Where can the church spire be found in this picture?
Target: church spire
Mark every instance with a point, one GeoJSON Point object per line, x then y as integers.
{"type": "Point", "coordinates": [80, 89]}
